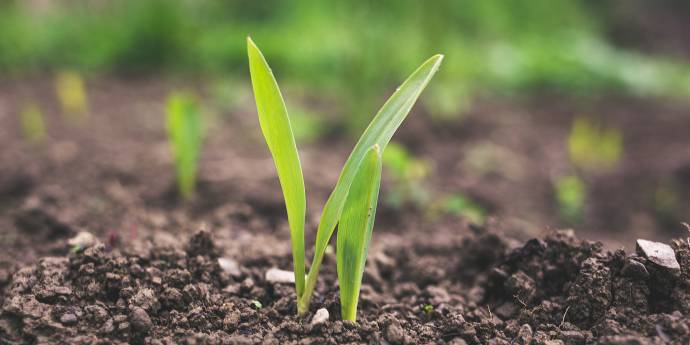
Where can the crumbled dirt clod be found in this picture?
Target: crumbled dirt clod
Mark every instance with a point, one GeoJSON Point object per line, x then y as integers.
{"type": "Point", "coordinates": [140, 320]}
{"type": "Point", "coordinates": [555, 290]}
{"type": "Point", "coordinates": [68, 319]}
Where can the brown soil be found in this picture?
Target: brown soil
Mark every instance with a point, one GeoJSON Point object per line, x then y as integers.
{"type": "Point", "coordinates": [467, 289]}
{"type": "Point", "coordinates": [111, 176]}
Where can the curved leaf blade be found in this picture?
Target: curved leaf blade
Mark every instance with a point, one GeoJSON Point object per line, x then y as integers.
{"type": "Point", "coordinates": [379, 132]}
{"type": "Point", "coordinates": [355, 229]}
{"type": "Point", "coordinates": [277, 131]}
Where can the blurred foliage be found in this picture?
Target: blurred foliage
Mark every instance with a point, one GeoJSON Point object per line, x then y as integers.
{"type": "Point", "coordinates": [461, 205]}
{"type": "Point", "coordinates": [185, 134]}
{"type": "Point", "coordinates": [667, 202]}
{"type": "Point", "coordinates": [408, 175]}
{"type": "Point", "coordinates": [71, 93]}
{"type": "Point", "coordinates": [333, 47]}
{"type": "Point", "coordinates": [32, 124]}
{"type": "Point", "coordinates": [592, 147]}
{"type": "Point", "coordinates": [571, 194]}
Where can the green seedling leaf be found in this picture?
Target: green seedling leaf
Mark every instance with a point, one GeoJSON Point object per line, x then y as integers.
{"type": "Point", "coordinates": [33, 126]}
{"type": "Point", "coordinates": [277, 131]}
{"type": "Point", "coordinates": [257, 304]}
{"type": "Point", "coordinates": [355, 229]}
{"type": "Point", "coordinates": [71, 94]}
{"type": "Point", "coordinates": [379, 132]}
{"type": "Point", "coordinates": [185, 134]}
{"type": "Point", "coordinates": [427, 308]}
{"type": "Point", "coordinates": [593, 147]}
{"type": "Point", "coordinates": [571, 194]}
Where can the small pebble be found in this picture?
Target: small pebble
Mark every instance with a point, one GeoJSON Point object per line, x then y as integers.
{"type": "Point", "coordinates": [660, 254]}
{"type": "Point", "coordinates": [83, 240]}
{"type": "Point", "coordinates": [68, 319]}
{"type": "Point", "coordinates": [278, 276]}
{"type": "Point", "coordinates": [320, 317]}
{"type": "Point", "coordinates": [230, 267]}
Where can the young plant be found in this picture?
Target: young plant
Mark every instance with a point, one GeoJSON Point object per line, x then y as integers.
{"type": "Point", "coordinates": [185, 134]}
{"type": "Point", "coordinates": [593, 147]}
{"type": "Point", "coordinates": [353, 201]}
{"type": "Point", "coordinates": [571, 196]}
{"type": "Point", "coordinates": [71, 93]}
{"type": "Point", "coordinates": [33, 126]}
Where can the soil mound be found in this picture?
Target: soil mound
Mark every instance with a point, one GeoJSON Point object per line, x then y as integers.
{"type": "Point", "coordinates": [478, 288]}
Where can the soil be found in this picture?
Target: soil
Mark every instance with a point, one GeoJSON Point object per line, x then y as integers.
{"type": "Point", "coordinates": [477, 288]}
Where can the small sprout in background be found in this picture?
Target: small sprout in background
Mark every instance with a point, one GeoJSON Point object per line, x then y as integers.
{"type": "Point", "coordinates": [408, 175]}
{"type": "Point", "coordinates": [33, 126]}
{"type": "Point", "coordinates": [571, 194]}
{"type": "Point", "coordinates": [76, 248]}
{"type": "Point", "coordinates": [256, 304]}
{"type": "Point", "coordinates": [427, 308]}
{"type": "Point", "coordinates": [352, 204]}
{"type": "Point", "coordinates": [463, 206]}
{"type": "Point", "coordinates": [592, 147]}
{"type": "Point", "coordinates": [667, 202]}
{"type": "Point", "coordinates": [71, 94]}
{"type": "Point", "coordinates": [185, 134]}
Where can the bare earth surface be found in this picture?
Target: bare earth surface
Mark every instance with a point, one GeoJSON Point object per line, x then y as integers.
{"type": "Point", "coordinates": [149, 276]}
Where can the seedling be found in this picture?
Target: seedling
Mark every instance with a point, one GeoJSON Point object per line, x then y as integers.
{"type": "Point", "coordinates": [427, 308]}
{"type": "Point", "coordinates": [593, 147]}
{"type": "Point", "coordinates": [461, 205]}
{"type": "Point", "coordinates": [256, 304]}
{"type": "Point", "coordinates": [570, 194]}
{"type": "Point", "coordinates": [408, 174]}
{"type": "Point", "coordinates": [33, 127]}
{"type": "Point", "coordinates": [71, 93]}
{"type": "Point", "coordinates": [185, 134]}
{"type": "Point", "coordinates": [352, 204]}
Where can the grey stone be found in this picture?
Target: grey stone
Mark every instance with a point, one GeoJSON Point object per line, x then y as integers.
{"type": "Point", "coordinates": [320, 317]}
{"type": "Point", "coordinates": [660, 254]}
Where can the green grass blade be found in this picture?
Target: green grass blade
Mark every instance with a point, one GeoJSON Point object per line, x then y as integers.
{"type": "Point", "coordinates": [355, 229]}
{"type": "Point", "coordinates": [275, 125]}
{"type": "Point", "coordinates": [379, 132]}
{"type": "Point", "coordinates": [185, 133]}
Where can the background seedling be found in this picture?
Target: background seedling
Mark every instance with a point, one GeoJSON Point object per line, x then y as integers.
{"type": "Point", "coordinates": [593, 147]}
{"type": "Point", "coordinates": [571, 195]}
{"type": "Point", "coordinates": [276, 128]}
{"type": "Point", "coordinates": [408, 174]}
{"type": "Point", "coordinates": [71, 94]}
{"type": "Point", "coordinates": [32, 124]}
{"type": "Point", "coordinates": [461, 205]}
{"type": "Point", "coordinates": [185, 134]}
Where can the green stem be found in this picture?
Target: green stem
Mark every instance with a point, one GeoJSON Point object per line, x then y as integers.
{"type": "Point", "coordinates": [305, 300]}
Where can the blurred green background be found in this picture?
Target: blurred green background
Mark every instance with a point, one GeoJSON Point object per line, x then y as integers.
{"type": "Point", "coordinates": [347, 51]}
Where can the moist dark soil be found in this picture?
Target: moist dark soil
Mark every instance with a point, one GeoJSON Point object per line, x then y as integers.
{"type": "Point", "coordinates": [476, 288]}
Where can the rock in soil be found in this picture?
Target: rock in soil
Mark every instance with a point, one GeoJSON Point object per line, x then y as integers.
{"type": "Point", "coordinates": [320, 317]}
{"type": "Point", "coordinates": [278, 276]}
{"type": "Point", "coordinates": [659, 253]}
{"type": "Point", "coordinates": [465, 290]}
